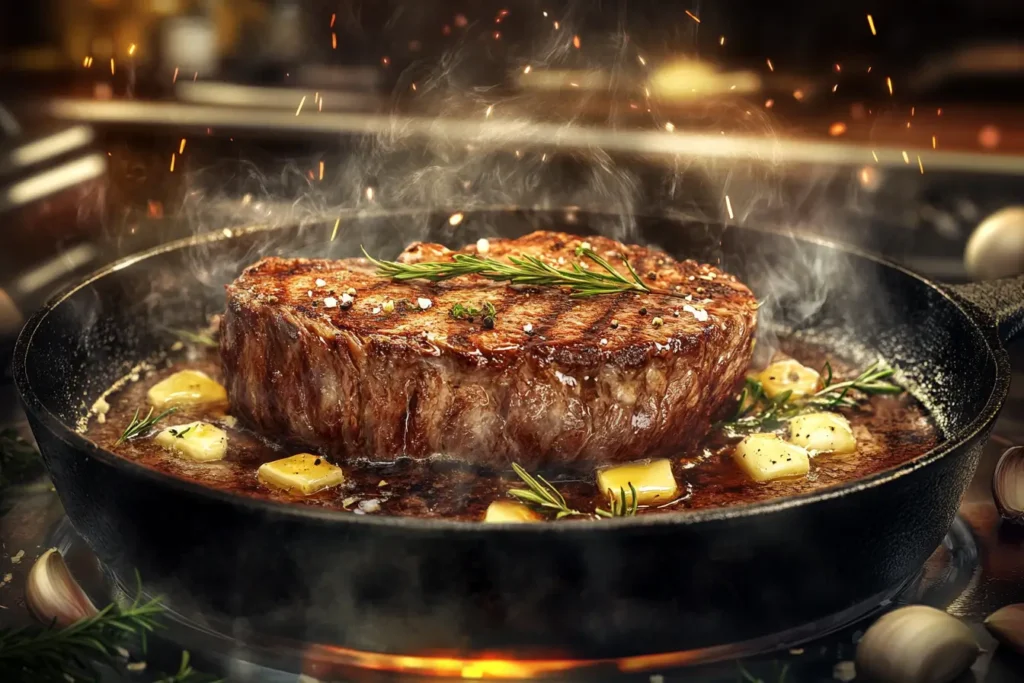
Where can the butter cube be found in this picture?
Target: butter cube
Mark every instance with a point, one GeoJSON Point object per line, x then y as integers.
{"type": "Point", "coordinates": [196, 440]}
{"type": "Point", "coordinates": [303, 474]}
{"type": "Point", "coordinates": [510, 512]}
{"type": "Point", "coordinates": [653, 481]}
{"type": "Point", "coordinates": [822, 433]}
{"type": "Point", "coordinates": [187, 388]}
{"type": "Point", "coordinates": [764, 457]}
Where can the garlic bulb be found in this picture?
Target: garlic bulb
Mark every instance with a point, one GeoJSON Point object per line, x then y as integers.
{"type": "Point", "coordinates": [915, 644]}
{"type": "Point", "coordinates": [1008, 485]}
{"type": "Point", "coordinates": [1007, 625]}
{"type": "Point", "coordinates": [52, 594]}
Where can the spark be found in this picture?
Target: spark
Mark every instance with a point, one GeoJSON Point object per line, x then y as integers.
{"type": "Point", "coordinates": [670, 126]}
{"type": "Point", "coordinates": [173, 157]}
{"type": "Point", "coordinates": [333, 17]}
{"type": "Point", "coordinates": [906, 157]}
{"type": "Point", "coordinates": [455, 219]}
{"type": "Point", "coordinates": [908, 124]}
{"type": "Point", "coordinates": [496, 35]}
{"type": "Point", "coordinates": [195, 75]}
{"type": "Point", "coordinates": [573, 84]}
{"type": "Point", "coordinates": [919, 164]}
{"type": "Point", "coordinates": [385, 60]}
{"type": "Point", "coordinates": [334, 233]}
{"type": "Point", "coordinates": [938, 112]}
{"type": "Point", "coordinates": [771, 67]}
{"type": "Point", "coordinates": [934, 142]}
{"type": "Point", "coordinates": [369, 193]}
{"type": "Point", "coordinates": [501, 15]}
{"type": "Point", "coordinates": [85, 62]}
{"type": "Point", "coordinates": [837, 129]}
{"type": "Point", "coordinates": [888, 82]}
{"type": "Point", "coordinates": [490, 110]}
{"type": "Point", "coordinates": [874, 156]}
{"type": "Point", "coordinates": [301, 102]}
{"type": "Point", "coordinates": [576, 42]}
{"type": "Point", "coordinates": [871, 25]}
{"type": "Point", "coordinates": [837, 67]}
{"type": "Point", "coordinates": [131, 49]}
{"type": "Point", "coordinates": [321, 170]}
{"type": "Point", "coordinates": [320, 105]}
{"type": "Point", "coordinates": [769, 103]}
{"type": "Point", "coordinates": [557, 25]}
{"type": "Point", "coordinates": [835, 87]}
{"type": "Point", "coordinates": [721, 40]}
{"type": "Point", "coordinates": [545, 13]}
{"type": "Point", "coordinates": [869, 69]}
{"type": "Point", "coordinates": [912, 110]}
{"type": "Point", "coordinates": [334, 40]}
{"type": "Point", "coordinates": [413, 86]}
{"type": "Point", "coordinates": [692, 16]}
{"type": "Point", "coordinates": [181, 147]}
{"type": "Point", "coordinates": [728, 205]}
{"type": "Point", "coordinates": [174, 78]}
{"type": "Point", "coordinates": [640, 58]}
{"type": "Point", "coordinates": [527, 69]}
{"type": "Point", "coordinates": [112, 69]}
{"type": "Point", "coordinates": [798, 95]}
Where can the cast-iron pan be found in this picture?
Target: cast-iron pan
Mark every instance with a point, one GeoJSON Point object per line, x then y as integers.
{"type": "Point", "coordinates": [586, 589]}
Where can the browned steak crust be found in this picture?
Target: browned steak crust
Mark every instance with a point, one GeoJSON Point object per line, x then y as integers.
{"type": "Point", "coordinates": [594, 380]}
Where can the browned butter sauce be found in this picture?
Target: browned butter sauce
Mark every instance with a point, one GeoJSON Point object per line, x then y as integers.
{"type": "Point", "coordinates": [889, 430]}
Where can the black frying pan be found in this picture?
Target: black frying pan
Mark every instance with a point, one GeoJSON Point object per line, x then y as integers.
{"type": "Point", "coordinates": [586, 589]}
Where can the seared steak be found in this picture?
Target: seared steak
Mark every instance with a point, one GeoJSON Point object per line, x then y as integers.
{"type": "Point", "coordinates": [555, 381]}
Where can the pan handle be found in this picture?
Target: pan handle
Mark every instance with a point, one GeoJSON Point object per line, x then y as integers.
{"type": "Point", "coordinates": [1002, 300]}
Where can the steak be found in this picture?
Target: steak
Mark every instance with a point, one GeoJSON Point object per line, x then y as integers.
{"type": "Point", "coordinates": [556, 381]}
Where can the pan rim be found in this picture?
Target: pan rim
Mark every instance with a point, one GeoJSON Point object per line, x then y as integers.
{"type": "Point", "coordinates": [32, 404]}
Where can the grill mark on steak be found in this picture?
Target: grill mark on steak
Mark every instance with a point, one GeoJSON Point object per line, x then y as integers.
{"type": "Point", "coordinates": [351, 383]}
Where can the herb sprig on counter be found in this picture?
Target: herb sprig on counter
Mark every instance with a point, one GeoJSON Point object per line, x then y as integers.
{"type": "Point", "coordinates": [139, 427]}
{"type": "Point", "coordinates": [543, 493]}
{"type": "Point", "coordinates": [526, 270]}
{"type": "Point", "coordinates": [75, 652]}
{"type": "Point", "coordinates": [758, 412]}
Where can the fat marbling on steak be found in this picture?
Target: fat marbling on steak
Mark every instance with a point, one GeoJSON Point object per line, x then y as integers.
{"type": "Point", "coordinates": [558, 380]}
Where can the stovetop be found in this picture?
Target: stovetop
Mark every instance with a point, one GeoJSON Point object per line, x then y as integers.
{"type": "Point", "coordinates": [977, 569]}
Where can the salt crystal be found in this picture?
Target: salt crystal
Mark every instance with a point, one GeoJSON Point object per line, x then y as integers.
{"type": "Point", "coordinates": [424, 304]}
{"type": "Point", "coordinates": [528, 328]}
{"type": "Point", "coordinates": [483, 246]}
{"type": "Point", "coordinates": [320, 282]}
{"type": "Point", "coordinates": [330, 302]}
{"type": "Point", "coordinates": [699, 313]}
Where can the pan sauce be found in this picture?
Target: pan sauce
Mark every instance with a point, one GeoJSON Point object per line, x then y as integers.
{"type": "Point", "coordinates": [889, 430]}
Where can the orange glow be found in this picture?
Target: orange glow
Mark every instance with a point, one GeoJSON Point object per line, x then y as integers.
{"type": "Point", "coordinates": [154, 209]}
{"type": "Point", "coordinates": [798, 95]}
{"type": "Point", "coordinates": [131, 49]}
{"type": "Point", "coordinates": [912, 109]}
{"type": "Point", "coordinates": [989, 136]}
{"type": "Point", "coordinates": [769, 103]}
{"type": "Point", "coordinates": [938, 112]}
{"type": "Point", "coordinates": [496, 35]}
{"type": "Point", "coordinates": [334, 41]}
{"type": "Point", "coordinates": [112, 69]}
{"type": "Point", "coordinates": [322, 661]}
{"type": "Point", "coordinates": [576, 42]}
{"type": "Point", "coordinates": [871, 25]}
{"type": "Point", "coordinates": [692, 16]}
{"type": "Point", "coordinates": [837, 67]}
{"type": "Point", "coordinates": [837, 129]}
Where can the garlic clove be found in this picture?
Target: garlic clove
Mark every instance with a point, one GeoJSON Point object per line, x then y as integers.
{"type": "Point", "coordinates": [915, 644]}
{"type": "Point", "coordinates": [1008, 485]}
{"type": "Point", "coordinates": [1007, 625]}
{"type": "Point", "coordinates": [52, 594]}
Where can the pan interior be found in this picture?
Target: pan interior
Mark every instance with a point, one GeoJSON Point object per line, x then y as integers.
{"type": "Point", "coordinates": [848, 304]}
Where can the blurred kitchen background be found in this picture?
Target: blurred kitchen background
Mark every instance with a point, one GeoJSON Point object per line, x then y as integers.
{"type": "Point", "coordinates": [898, 126]}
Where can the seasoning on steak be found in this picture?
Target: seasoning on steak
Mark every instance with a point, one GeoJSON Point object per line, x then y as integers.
{"type": "Point", "coordinates": [556, 381]}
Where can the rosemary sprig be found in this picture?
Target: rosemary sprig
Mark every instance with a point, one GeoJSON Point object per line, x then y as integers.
{"type": "Point", "coordinates": [49, 653]}
{"type": "Point", "coordinates": [620, 505]}
{"type": "Point", "coordinates": [757, 412]}
{"type": "Point", "coordinates": [139, 427]}
{"type": "Point", "coordinates": [542, 493]}
{"type": "Point", "coordinates": [525, 270]}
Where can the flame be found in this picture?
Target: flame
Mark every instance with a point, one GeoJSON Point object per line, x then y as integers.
{"type": "Point", "coordinates": [324, 660]}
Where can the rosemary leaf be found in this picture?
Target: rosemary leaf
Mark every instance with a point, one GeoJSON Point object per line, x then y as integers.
{"type": "Point", "coordinates": [526, 270]}
{"type": "Point", "coordinates": [139, 427]}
